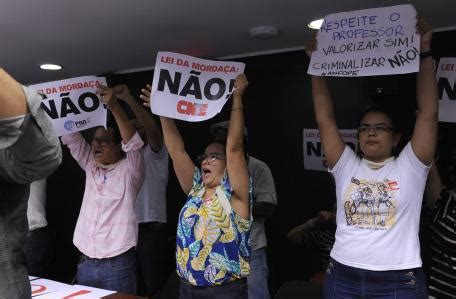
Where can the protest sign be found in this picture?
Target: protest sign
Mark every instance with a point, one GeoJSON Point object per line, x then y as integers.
{"type": "Point", "coordinates": [190, 88]}
{"type": "Point", "coordinates": [313, 151]}
{"type": "Point", "coordinates": [378, 41]}
{"type": "Point", "coordinates": [73, 105]}
{"type": "Point", "coordinates": [446, 78]}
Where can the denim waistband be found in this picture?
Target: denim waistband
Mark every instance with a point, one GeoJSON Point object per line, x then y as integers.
{"type": "Point", "coordinates": [84, 257]}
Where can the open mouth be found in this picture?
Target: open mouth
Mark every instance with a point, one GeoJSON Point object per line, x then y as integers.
{"type": "Point", "coordinates": [206, 172]}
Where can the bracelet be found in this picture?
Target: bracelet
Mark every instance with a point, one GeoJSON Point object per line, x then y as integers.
{"type": "Point", "coordinates": [425, 54]}
{"type": "Point", "coordinates": [237, 108]}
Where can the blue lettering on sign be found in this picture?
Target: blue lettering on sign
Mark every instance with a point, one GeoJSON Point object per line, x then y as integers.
{"type": "Point", "coordinates": [68, 125]}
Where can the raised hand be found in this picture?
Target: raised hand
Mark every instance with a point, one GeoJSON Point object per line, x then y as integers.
{"type": "Point", "coordinates": [122, 92]}
{"type": "Point", "coordinates": [424, 29]}
{"type": "Point", "coordinates": [240, 85]}
{"type": "Point", "coordinates": [145, 95]}
{"type": "Point", "coordinates": [107, 96]}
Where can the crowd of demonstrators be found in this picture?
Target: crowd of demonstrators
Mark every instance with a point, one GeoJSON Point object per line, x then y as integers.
{"type": "Point", "coordinates": [264, 202]}
{"type": "Point", "coordinates": [317, 232]}
{"type": "Point", "coordinates": [106, 230]}
{"type": "Point", "coordinates": [212, 242]}
{"type": "Point", "coordinates": [369, 244]}
{"type": "Point", "coordinates": [150, 206]}
{"type": "Point", "coordinates": [29, 151]}
{"type": "Point", "coordinates": [379, 195]}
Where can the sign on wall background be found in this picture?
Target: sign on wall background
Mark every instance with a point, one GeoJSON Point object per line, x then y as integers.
{"type": "Point", "coordinates": [314, 158]}
{"type": "Point", "coordinates": [446, 78]}
{"type": "Point", "coordinates": [191, 89]}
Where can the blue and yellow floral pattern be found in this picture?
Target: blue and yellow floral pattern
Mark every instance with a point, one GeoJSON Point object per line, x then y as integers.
{"type": "Point", "coordinates": [213, 242]}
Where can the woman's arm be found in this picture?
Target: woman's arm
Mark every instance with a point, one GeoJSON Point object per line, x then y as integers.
{"type": "Point", "coordinates": [424, 136]}
{"type": "Point", "coordinates": [333, 145]}
{"type": "Point", "coordinates": [236, 163]}
{"type": "Point", "coordinates": [183, 165]}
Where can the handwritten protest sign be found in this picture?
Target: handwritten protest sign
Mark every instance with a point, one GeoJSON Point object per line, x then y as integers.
{"type": "Point", "coordinates": [190, 88]}
{"type": "Point", "coordinates": [446, 76]}
{"type": "Point", "coordinates": [72, 104]}
{"type": "Point", "coordinates": [313, 151]}
{"type": "Point", "coordinates": [378, 41]}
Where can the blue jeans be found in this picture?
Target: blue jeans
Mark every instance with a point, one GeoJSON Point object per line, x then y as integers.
{"type": "Point", "coordinates": [232, 290]}
{"type": "Point", "coordinates": [116, 273]}
{"type": "Point", "coordinates": [257, 281]}
{"type": "Point", "coordinates": [347, 282]}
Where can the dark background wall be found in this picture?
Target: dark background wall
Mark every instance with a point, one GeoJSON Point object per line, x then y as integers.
{"type": "Point", "coordinates": [278, 105]}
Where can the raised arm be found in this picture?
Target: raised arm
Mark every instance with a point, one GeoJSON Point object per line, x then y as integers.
{"type": "Point", "coordinates": [236, 163]}
{"type": "Point", "coordinates": [125, 126]}
{"type": "Point", "coordinates": [183, 165]}
{"type": "Point", "coordinates": [12, 97]}
{"type": "Point", "coordinates": [332, 142]}
{"type": "Point", "coordinates": [153, 132]}
{"type": "Point", "coordinates": [424, 136]}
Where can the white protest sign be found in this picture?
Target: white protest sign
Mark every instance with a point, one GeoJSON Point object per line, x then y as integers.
{"type": "Point", "coordinates": [190, 88]}
{"type": "Point", "coordinates": [45, 286]}
{"type": "Point", "coordinates": [72, 104]}
{"type": "Point", "coordinates": [378, 41]}
{"type": "Point", "coordinates": [446, 77]}
{"type": "Point", "coordinates": [78, 292]}
{"type": "Point", "coordinates": [313, 150]}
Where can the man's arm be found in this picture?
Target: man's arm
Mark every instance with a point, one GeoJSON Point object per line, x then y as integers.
{"type": "Point", "coordinates": [125, 126]}
{"type": "Point", "coordinates": [29, 148]}
{"type": "Point", "coordinates": [153, 132]}
{"type": "Point", "coordinates": [12, 98]}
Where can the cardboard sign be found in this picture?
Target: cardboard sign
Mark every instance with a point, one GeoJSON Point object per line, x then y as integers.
{"type": "Point", "coordinates": [446, 78]}
{"type": "Point", "coordinates": [190, 88]}
{"type": "Point", "coordinates": [73, 105]}
{"type": "Point", "coordinates": [369, 42]}
{"type": "Point", "coordinates": [314, 158]}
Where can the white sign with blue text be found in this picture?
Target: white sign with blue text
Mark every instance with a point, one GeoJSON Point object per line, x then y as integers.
{"type": "Point", "coordinates": [369, 42]}
{"type": "Point", "coordinates": [73, 104]}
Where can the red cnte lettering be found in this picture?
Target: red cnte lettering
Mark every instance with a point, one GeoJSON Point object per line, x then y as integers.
{"type": "Point", "coordinates": [189, 108]}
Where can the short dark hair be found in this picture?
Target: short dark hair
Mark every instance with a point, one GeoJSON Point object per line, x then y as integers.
{"type": "Point", "coordinates": [383, 110]}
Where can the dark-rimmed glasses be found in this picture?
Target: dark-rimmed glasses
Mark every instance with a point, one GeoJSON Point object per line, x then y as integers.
{"type": "Point", "coordinates": [103, 141]}
{"type": "Point", "coordinates": [377, 128]}
{"type": "Point", "coordinates": [210, 157]}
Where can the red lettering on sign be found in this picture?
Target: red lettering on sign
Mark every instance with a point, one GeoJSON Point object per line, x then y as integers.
{"type": "Point", "coordinates": [40, 289]}
{"type": "Point", "coordinates": [78, 293]}
{"type": "Point", "coordinates": [189, 108]}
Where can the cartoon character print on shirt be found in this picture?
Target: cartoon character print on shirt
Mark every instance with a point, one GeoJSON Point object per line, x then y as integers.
{"type": "Point", "coordinates": [370, 204]}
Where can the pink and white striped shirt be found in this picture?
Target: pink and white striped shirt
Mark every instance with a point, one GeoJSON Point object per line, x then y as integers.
{"type": "Point", "coordinates": [107, 225]}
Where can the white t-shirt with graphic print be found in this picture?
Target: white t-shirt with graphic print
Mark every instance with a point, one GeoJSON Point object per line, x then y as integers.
{"type": "Point", "coordinates": [378, 211]}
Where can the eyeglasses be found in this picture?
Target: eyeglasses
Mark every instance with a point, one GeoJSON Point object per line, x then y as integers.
{"type": "Point", "coordinates": [210, 157]}
{"type": "Point", "coordinates": [103, 141]}
{"type": "Point", "coordinates": [377, 128]}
